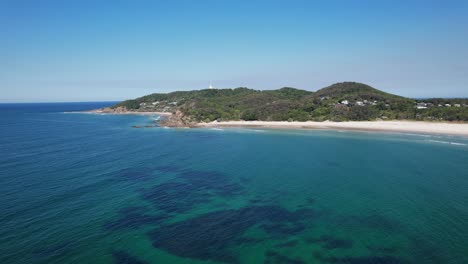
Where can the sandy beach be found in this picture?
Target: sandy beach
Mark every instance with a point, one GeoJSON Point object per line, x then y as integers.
{"type": "Point", "coordinates": [460, 129]}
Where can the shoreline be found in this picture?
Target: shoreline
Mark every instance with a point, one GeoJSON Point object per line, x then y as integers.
{"type": "Point", "coordinates": [456, 129]}
{"type": "Point", "coordinates": [425, 127]}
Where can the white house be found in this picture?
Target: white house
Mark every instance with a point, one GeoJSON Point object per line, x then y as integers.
{"type": "Point", "coordinates": [421, 105]}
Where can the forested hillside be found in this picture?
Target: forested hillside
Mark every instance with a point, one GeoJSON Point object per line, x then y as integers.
{"type": "Point", "coordinates": [338, 102]}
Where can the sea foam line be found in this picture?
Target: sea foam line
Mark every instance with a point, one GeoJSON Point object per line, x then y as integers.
{"type": "Point", "coordinates": [447, 142]}
{"type": "Point", "coordinates": [419, 135]}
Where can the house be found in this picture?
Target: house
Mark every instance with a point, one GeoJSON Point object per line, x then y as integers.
{"type": "Point", "coordinates": [448, 105]}
{"type": "Point", "coordinates": [457, 105]}
{"type": "Point", "coordinates": [421, 105]}
{"type": "Point", "coordinates": [360, 103]}
{"type": "Point", "coordinates": [155, 103]}
{"type": "Point", "coordinates": [345, 102]}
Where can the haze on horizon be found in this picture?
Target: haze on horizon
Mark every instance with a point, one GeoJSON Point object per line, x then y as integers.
{"type": "Point", "coordinates": [109, 50]}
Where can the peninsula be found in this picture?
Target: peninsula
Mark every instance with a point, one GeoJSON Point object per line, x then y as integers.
{"type": "Point", "coordinates": [346, 105]}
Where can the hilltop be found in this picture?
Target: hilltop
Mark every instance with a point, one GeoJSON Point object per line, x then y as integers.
{"type": "Point", "coordinates": [338, 102]}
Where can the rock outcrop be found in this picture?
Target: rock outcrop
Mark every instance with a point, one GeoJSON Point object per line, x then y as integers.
{"type": "Point", "coordinates": [178, 119]}
{"type": "Point", "coordinates": [108, 110]}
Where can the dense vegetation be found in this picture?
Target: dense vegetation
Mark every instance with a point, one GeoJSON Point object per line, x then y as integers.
{"type": "Point", "coordinates": [338, 102]}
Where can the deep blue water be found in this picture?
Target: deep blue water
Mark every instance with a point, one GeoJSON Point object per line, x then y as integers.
{"type": "Point", "coordinates": [88, 188]}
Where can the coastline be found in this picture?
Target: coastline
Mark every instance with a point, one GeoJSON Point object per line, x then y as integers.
{"type": "Point", "coordinates": [458, 129]}
{"type": "Point", "coordinates": [175, 120]}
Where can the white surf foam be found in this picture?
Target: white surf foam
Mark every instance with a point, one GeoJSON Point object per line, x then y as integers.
{"type": "Point", "coordinates": [447, 142]}
{"type": "Point", "coordinates": [418, 135]}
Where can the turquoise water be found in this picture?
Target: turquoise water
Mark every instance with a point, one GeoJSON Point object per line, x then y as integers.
{"type": "Point", "coordinates": [85, 188]}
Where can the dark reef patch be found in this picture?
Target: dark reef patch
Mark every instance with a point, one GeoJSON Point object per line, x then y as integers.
{"type": "Point", "coordinates": [272, 257]}
{"type": "Point", "coordinates": [283, 229]}
{"type": "Point", "coordinates": [175, 197]}
{"type": "Point", "coordinates": [191, 188]}
{"type": "Point", "coordinates": [133, 217]}
{"type": "Point", "coordinates": [330, 242]}
{"type": "Point", "coordinates": [248, 240]}
{"type": "Point", "coordinates": [291, 243]}
{"type": "Point", "coordinates": [210, 236]}
{"type": "Point", "coordinates": [122, 257]}
{"type": "Point", "coordinates": [216, 182]}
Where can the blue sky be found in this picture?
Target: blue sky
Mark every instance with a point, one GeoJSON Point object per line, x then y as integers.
{"type": "Point", "coordinates": [114, 50]}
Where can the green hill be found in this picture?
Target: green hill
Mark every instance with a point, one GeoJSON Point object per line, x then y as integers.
{"type": "Point", "coordinates": [338, 102]}
{"type": "Point", "coordinates": [356, 91]}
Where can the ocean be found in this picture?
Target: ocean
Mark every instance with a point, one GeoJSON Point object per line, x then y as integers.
{"type": "Point", "coordinates": [90, 188]}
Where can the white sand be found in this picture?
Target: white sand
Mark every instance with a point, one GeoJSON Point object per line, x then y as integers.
{"type": "Point", "coordinates": [389, 126]}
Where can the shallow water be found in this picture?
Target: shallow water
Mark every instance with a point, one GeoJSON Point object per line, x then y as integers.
{"type": "Point", "coordinates": [87, 188]}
